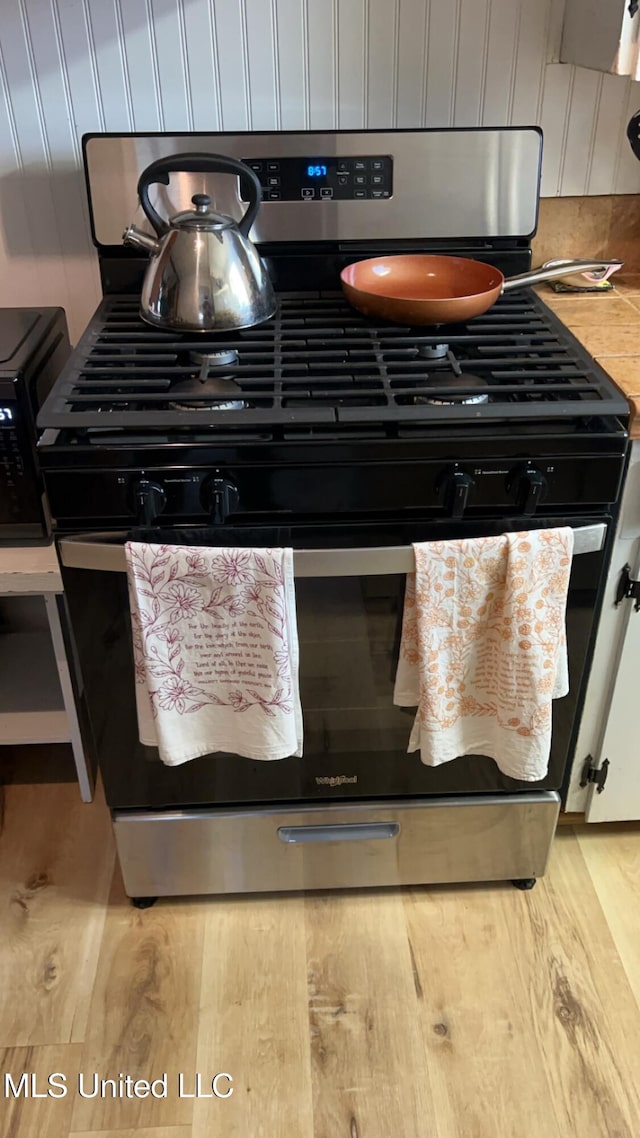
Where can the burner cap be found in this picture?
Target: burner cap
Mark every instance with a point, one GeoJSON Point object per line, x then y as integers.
{"type": "Point", "coordinates": [454, 382]}
{"type": "Point", "coordinates": [217, 393]}
{"type": "Point", "coordinates": [212, 360]}
{"type": "Point", "coordinates": [433, 351]}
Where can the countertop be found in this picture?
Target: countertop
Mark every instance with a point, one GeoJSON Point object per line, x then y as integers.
{"type": "Point", "coordinates": [29, 569]}
{"type": "Point", "coordinates": [608, 325]}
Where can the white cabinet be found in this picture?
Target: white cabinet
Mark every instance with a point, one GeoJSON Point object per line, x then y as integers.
{"type": "Point", "coordinates": [610, 725]}
{"type": "Point", "coordinates": [37, 699]}
{"type": "Point", "coordinates": [620, 798]}
{"type": "Point", "coordinates": [602, 35]}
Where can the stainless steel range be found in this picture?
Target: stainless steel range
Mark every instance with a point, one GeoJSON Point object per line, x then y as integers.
{"type": "Point", "coordinates": [347, 440]}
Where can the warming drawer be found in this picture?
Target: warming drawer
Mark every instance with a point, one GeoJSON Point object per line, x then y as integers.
{"type": "Point", "coordinates": [481, 838]}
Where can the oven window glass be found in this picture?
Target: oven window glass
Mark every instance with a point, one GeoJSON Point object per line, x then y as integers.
{"type": "Point", "coordinates": [349, 630]}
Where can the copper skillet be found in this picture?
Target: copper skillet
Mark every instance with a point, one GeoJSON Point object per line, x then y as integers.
{"type": "Point", "coordinates": [430, 289]}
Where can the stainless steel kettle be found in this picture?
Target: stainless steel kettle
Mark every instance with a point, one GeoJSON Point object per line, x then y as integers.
{"type": "Point", "coordinates": [204, 275]}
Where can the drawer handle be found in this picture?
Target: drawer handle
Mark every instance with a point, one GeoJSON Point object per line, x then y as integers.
{"type": "Point", "coordinates": [342, 832]}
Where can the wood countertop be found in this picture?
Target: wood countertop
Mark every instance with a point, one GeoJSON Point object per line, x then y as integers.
{"type": "Point", "coordinates": [29, 569]}
{"type": "Point", "coordinates": [608, 325]}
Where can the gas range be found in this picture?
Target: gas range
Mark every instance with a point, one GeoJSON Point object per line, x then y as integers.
{"type": "Point", "coordinates": [320, 385]}
{"type": "Point", "coordinates": [191, 428]}
{"type": "Point", "coordinates": [346, 439]}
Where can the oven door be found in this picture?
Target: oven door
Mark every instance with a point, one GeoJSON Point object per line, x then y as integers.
{"type": "Point", "coordinates": [349, 596]}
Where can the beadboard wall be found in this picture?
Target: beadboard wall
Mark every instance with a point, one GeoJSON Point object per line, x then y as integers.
{"type": "Point", "coordinates": [70, 66]}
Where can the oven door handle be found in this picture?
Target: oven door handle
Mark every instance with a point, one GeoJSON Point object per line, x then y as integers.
{"type": "Point", "coordinates": [100, 552]}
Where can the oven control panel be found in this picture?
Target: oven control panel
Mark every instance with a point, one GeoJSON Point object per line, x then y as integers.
{"type": "Point", "coordinates": [287, 489]}
{"type": "Point", "coordinates": [318, 178]}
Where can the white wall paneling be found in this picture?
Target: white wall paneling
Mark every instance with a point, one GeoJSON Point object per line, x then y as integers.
{"type": "Point", "coordinates": [293, 88]}
{"type": "Point", "coordinates": [581, 121]}
{"type": "Point", "coordinates": [201, 65]}
{"type": "Point", "coordinates": [230, 42]}
{"type": "Point", "coordinates": [382, 58]}
{"type": "Point", "coordinates": [471, 62]}
{"type": "Point", "coordinates": [262, 53]}
{"type": "Point", "coordinates": [70, 66]}
{"type": "Point", "coordinates": [554, 30]}
{"type": "Point", "coordinates": [501, 60]}
{"type": "Point", "coordinates": [320, 56]}
{"type": "Point", "coordinates": [532, 49]}
{"type": "Point", "coordinates": [411, 62]}
{"type": "Point", "coordinates": [352, 39]}
{"type": "Point", "coordinates": [441, 47]}
{"type": "Point", "coordinates": [609, 139]}
{"type": "Point", "coordinates": [554, 113]}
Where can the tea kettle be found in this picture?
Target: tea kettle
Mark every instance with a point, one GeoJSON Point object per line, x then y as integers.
{"type": "Point", "coordinates": [204, 275]}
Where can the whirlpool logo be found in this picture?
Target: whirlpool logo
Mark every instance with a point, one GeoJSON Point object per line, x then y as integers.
{"type": "Point", "coordinates": [336, 779]}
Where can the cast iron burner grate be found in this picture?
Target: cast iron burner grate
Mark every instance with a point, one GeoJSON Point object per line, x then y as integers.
{"type": "Point", "coordinates": [318, 362]}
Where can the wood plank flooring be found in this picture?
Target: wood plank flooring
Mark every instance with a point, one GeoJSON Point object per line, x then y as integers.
{"type": "Point", "coordinates": [469, 1012]}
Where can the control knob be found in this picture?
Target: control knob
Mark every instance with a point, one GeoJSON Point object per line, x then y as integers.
{"type": "Point", "coordinates": [149, 500]}
{"type": "Point", "coordinates": [454, 488]}
{"type": "Point", "coordinates": [529, 488]}
{"type": "Point", "coordinates": [220, 497]}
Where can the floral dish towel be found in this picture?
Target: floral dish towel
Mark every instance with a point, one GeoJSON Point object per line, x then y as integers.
{"type": "Point", "coordinates": [215, 648]}
{"type": "Point", "coordinates": [483, 649]}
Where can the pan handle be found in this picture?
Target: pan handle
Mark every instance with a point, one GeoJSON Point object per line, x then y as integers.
{"type": "Point", "coordinates": [600, 269]}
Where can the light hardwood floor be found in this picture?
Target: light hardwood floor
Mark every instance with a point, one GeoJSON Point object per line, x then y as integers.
{"type": "Point", "coordinates": [471, 1012]}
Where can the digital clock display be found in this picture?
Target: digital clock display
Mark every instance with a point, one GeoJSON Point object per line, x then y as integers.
{"type": "Point", "coordinates": [321, 178]}
{"type": "Point", "coordinates": [6, 415]}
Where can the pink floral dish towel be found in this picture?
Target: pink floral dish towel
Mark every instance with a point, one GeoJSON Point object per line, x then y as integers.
{"type": "Point", "coordinates": [215, 647]}
{"type": "Point", "coordinates": [483, 649]}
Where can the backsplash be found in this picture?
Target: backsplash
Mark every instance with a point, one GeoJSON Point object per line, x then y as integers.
{"type": "Point", "coordinates": [607, 226]}
{"type": "Point", "coordinates": [70, 66]}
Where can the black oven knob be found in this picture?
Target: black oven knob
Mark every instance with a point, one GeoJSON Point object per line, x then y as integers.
{"type": "Point", "coordinates": [529, 488]}
{"type": "Point", "coordinates": [149, 500]}
{"type": "Point", "coordinates": [220, 497]}
{"type": "Point", "coordinates": [454, 488]}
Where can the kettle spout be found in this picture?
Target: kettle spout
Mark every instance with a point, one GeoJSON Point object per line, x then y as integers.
{"type": "Point", "coordinates": [142, 240]}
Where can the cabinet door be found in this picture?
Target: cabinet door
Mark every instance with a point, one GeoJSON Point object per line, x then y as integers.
{"type": "Point", "coordinates": [602, 35]}
{"type": "Point", "coordinates": [620, 798]}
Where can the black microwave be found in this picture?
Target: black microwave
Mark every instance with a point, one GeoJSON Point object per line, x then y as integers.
{"type": "Point", "coordinates": [34, 345]}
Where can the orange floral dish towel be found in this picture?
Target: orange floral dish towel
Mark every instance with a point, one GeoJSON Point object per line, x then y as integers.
{"type": "Point", "coordinates": [483, 650]}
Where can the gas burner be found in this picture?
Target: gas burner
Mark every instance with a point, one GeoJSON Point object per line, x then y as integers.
{"type": "Point", "coordinates": [213, 394]}
{"type": "Point", "coordinates": [216, 392]}
{"type": "Point", "coordinates": [457, 389]}
{"type": "Point", "coordinates": [433, 351]}
{"type": "Point", "coordinates": [211, 361]}
{"type": "Point", "coordinates": [458, 384]}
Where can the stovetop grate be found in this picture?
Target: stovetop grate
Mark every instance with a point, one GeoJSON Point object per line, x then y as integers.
{"type": "Point", "coordinates": [318, 362]}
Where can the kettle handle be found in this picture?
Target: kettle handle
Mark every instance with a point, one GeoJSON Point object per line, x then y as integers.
{"type": "Point", "coordinates": [196, 163]}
